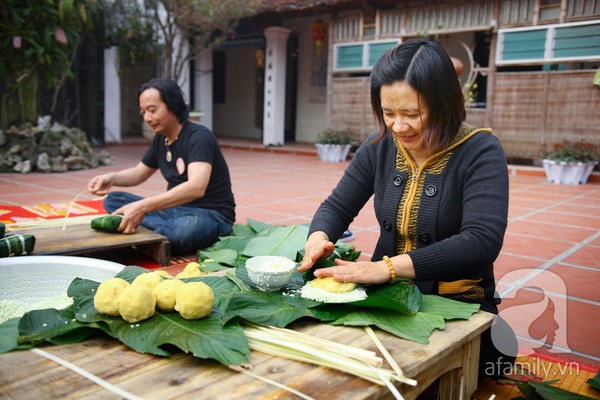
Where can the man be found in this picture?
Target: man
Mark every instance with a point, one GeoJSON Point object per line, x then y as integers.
{"type": "Point", "coordinates": [198, 205]}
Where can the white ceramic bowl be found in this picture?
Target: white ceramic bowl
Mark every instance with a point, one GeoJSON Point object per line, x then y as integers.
{"type": "Point", "coordinates": [270, 273]}
{"type": "Point", "coordinates": [31, 279]}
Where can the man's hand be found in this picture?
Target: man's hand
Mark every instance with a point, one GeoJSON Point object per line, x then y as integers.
{"type": "Point", "coordinates": [133, 213]}
{"type": "Point", "coordinates": [100, 184]}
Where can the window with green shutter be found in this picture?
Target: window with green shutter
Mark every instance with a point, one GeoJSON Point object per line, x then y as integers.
{"type": "Point", "coordinates": [360, 56]}
{"type": "Point", "coordinates": [577, 41]}
{"type": "Point", "coordinates": [557, 43]}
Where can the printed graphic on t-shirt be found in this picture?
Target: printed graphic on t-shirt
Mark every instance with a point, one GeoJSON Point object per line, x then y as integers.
{"type": "Point", "coordinates": [180, 165]}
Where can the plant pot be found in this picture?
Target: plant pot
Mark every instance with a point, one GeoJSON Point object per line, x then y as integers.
{"type": "Point", "coordinates": [570, 173]}
{"type": "Point", "coordinates": [196, 116]}
{"type": "Point", "coordinates": [333, 152]}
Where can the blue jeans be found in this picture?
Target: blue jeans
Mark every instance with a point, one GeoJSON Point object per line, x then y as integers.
{"type": "Point", "coordinates": [187, 228]}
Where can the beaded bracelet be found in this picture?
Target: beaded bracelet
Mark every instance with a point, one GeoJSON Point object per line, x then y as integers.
{"type": "Point", "coordinates": [391, 267]}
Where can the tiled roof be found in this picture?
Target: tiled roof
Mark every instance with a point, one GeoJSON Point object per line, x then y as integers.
{"type": "Point", "coordinates": [294, 6]}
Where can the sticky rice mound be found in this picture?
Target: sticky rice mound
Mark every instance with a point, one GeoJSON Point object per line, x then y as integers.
{"type": "Point", "coordinates": [328, 290]}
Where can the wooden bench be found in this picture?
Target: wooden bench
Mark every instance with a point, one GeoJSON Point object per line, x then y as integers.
{"type": "Point", "coordinates": [452, 355]}
{"type": "Point", "coordinates": [81, 239]}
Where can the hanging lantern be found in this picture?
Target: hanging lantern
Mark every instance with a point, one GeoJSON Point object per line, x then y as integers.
{"type": "Point", "coordinates": [458, 65]}
{"type": "Point", "coordinates": [318, 31]}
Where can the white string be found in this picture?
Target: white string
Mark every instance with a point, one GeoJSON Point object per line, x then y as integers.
{"type": "Point", "coordinates": [279, 385]}
{"type": "Point", "coordinates": [71, 206]}
{"type": "Point", "coordinates": [86, 374]}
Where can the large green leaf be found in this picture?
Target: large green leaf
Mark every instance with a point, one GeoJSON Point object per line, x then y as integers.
{"type": "Point", "coordinates": [227, 257]}
{"type": "Point", "coordinates": [266, 308]}
{"type": "Point", "coordinates": [237, 243]}
{"type": "Point", "coordinates": [595, 381]}
{"type": "Point", "coordinates": [257, 226]}
{"type": "Point", "coordinates": [392, 308]}
{"type": "Point", "coordinates": [399, 308]}
{"type": "Point", "coordinates": [403, 296]}
{"type": "Point", "coordinates": [205, 338]}
{"type": "Point", "coordinates": [277, 240]}
{"type": "Point", "coordinates": [432, 314]}
{"type": "Point", "coordinates": [447, 308]}
{"type": "Point", "coordinates": [243, 230]}
{"type": "Point", "coordinates": [411, 327]}
{"type": "Point", "coordinates": [9, 335]}
{"type": "Point", "coordinates": [50, 324]}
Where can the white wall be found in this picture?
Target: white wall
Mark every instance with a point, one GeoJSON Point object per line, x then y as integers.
{"type": "Point", "coordinates": [311, 116]}
{"type": "Point", "coordinates": [235, 117]}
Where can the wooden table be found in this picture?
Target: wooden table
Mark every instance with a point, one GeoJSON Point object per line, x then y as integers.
{"type": "Point", "coordinates": [81, 239]}
{"type": "Point", "coordinates": [452, 354]}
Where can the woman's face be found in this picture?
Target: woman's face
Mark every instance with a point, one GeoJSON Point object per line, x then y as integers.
{"type": "Point", "coordinates": [404, 115]}
{"type": "Point", "coordinates": [156, 113]}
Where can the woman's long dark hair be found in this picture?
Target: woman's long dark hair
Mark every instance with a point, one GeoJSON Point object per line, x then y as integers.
{"type": "Point", "coordinates": [171, 94]}
{"type": "Point", "coordinates": [428, 69]}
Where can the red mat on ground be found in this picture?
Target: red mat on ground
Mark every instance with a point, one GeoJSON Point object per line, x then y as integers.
{"type": "Point", "coordinates": [16, 214]}
{"type": "Point", "coordinates": [39, 212]}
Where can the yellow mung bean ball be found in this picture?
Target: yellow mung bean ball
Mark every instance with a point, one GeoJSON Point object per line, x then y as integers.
{"type": "Point", "coordinates": [150, 279]}
{"type": "Point", "coordinates": [191, 270]}
{"type": "Point", "coordinates": [166, 294]}
{"type": "Point", "coordinates": [136, 303]}
{"type": "Point", "coordinates": [105, 299]}
{"type": "Point", "coordinates": [194, 300]}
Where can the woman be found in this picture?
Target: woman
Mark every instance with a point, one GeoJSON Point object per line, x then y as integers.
{"type": "Point", "coordinates": [198, 205]}
{"type": "Point", "coordinates": [440, 186]}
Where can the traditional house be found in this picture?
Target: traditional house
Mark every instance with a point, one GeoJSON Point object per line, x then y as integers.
{"type": "Point", "coordinates": [300, 67]}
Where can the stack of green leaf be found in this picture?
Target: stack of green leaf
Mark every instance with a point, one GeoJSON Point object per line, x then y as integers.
{"type": "Point", "coordinates": [396, 308]}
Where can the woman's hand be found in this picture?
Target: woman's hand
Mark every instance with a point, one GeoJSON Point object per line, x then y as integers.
{"type": "Point", "coordinates": [317, 246]}
{"type": "Point", "coordinates": [359, 272]}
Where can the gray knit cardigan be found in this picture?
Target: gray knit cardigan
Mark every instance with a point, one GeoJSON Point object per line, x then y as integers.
{"type": "Point", "coordinates": [461, 218]}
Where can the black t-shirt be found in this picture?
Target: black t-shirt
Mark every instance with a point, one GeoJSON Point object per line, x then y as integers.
{"type": "Point", "coordinates": [194, 143]}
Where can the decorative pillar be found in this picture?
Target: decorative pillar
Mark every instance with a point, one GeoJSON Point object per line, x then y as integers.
{"type": "Point", "coordinates": [274, 102]}
{"type": "Point", "coordinates": [203, 87]}
{"type": "Point", "coordinates": [112, 96]}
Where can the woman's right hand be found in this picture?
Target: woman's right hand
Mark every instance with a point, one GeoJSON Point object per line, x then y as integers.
{"type": "Point", "coordinates": [317, 246]}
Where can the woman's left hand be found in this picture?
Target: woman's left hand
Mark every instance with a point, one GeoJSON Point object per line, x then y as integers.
{"type": "Point", "coordinates": [359, 272]}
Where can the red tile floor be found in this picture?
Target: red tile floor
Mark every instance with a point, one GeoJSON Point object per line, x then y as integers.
{"type": "Point", "coordinates": [546, 273]}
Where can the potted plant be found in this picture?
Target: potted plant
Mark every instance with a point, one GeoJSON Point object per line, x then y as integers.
{"type": "Point", "coordinates": [196, 116]}
{"type": "Point", "coordinates": [333, 146]}
{"type": "Point", "coordinates": [571, 162]}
